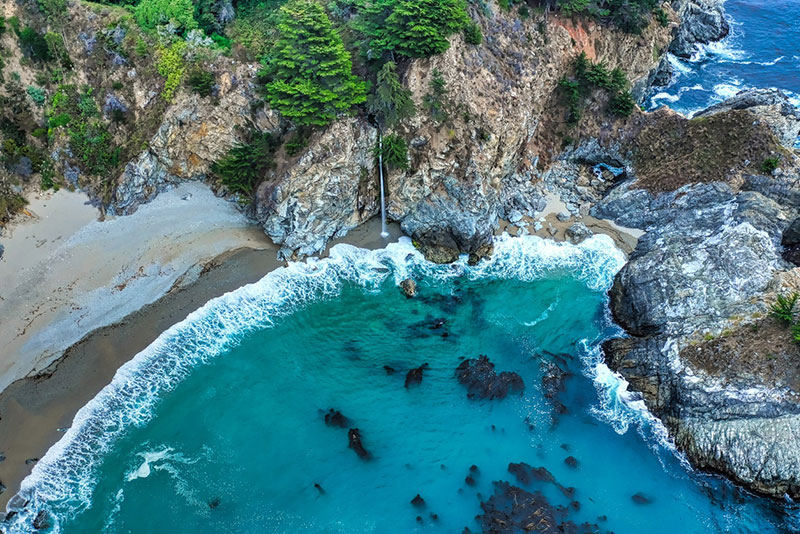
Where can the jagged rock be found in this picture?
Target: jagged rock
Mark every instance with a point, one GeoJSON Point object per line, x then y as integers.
{"type": "Point", "coordinates": [578, 232]}
{"type": "Point", "coordinates": [770, 105]}
{"type": "Point", "coordinates": [113, 103]}
{"type": "Point", "coordinates": [2, 250]}
{"type": "Point", "coordinates": [409, 287]}
{"type": "Point", "coordinates": [483, 382]}
{"type": "Point", "coordinates": [354, 442]}
{"type": "Point", "coordinates": [687, 268]}
{"type": "Point", "coordinates": [414, 376]}
{"type": "Point", "coordinates": [791, 236]}
{"type": "Point", "coordinates": [702, 22]}
{"type": "Point", "coordinates": [335, 418]}
{"type": "Point", "coordinates": [42, 521]}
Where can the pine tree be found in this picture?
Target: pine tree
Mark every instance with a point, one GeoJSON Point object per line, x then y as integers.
{"type": "Point", "coordinates": [412, 28]}
{"type": "Point", "coordinates": [309, 70]}
{"type": "Point", "coordinates": [391, 102]}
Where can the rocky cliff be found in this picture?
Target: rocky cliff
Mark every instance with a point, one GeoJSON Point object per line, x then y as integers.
{"type": "Point", "coordinates": [722, 375]}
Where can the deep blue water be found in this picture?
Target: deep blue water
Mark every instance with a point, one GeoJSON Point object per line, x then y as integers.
{"type": "Point", "coordinates": [762, 51]}
{"type": "Point", "coordinates": [218, 427]}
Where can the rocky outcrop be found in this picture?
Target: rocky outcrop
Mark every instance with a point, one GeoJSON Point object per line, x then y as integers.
{"type": "Point", "coordinates": [725, 383]}
{"type": "Point", "coordinates": [194, 132]}
{"type": "Point", "coordinates": [770, 105]}
{"type": "Point", "coordinates": [702, 22]}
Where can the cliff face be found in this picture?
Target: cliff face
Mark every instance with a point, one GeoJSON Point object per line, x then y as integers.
{"type": "Point", "coordinates": [506, 117]}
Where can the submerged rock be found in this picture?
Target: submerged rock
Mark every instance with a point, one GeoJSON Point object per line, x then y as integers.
{"type": "Point", "coordinates": [335, 418]}
{"type": "Point", "coordinates": [418, 501]}
{"type": "Point", "coordinates": [354, 442]}
{"type": "Point", "coordinates": [512, 510]}
{"type": "Point", "coordinates": [482, 382]}
{"type": "Point", "coordinates": [414, 376]}
{"type": "Point", "coordinates": [42, 521]}
{"type": "Point", "coordinates": [641, 498]}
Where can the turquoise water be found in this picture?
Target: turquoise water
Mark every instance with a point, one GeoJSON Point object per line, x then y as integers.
{"type": "Point", "coordinates": [219, 426]}
{"type": "Point", "coordinates": [762, 51]}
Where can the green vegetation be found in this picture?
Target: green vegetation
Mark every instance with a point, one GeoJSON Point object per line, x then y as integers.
{"type": "Point", "coordinates": [390, 101]}
{"type": "Point", "coordinates": [590, 76]}
{"type": "Point", "coordinates": [395, 152]}
{"type": "Point", "coordinates": [255, 25]}
{"type": "Point", "coordinates": [308, 69]}
{"type": "Point", "coordinates": [33, 44]}
{"type": "Point", "coordinates": [152, 13]}
{"type": "Point", "coordinates": [201, 81]}
{"type": "Point", "coordinates": [436, 101]}
{"type": "Point", "coordinates": [784, 307]}
{"type": "Point", "coordinates": [89, 139]}
{"type": "Point", "coordinates": [172, 67]}
{"type": "Point", "coordinates": [769, 165]}
{"type": "Point", "coordinates": [629, 15]}
{"type": "Point", "coordinates": [411, 28]}
{"type": "Point", "coordinates": [472, 34]}
{"type": "Point", "coordinates": [785, 310]}
{"type": "Point", "coordinates": [37, 95]}
{"type": "Point", "coordinates": [246, 164]}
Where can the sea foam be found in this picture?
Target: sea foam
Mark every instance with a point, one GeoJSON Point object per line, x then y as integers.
{"type": "Point", "coordinates": [62, 482]}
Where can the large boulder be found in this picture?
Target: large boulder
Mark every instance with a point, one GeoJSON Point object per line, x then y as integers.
{"type": "Point", "coordinates": [702, 22]}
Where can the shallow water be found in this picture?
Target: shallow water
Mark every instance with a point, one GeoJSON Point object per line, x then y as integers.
{"type": "Point", "coordinates": [762, 51]}
{"type": "Point", "coordinates": [231, 438]}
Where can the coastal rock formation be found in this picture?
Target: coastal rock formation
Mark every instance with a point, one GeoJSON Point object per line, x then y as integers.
{"type": "Point", "coordinates": [702, 22]}
{"type": "Point", "coordinates": [483, 382]}
{"type": "Point", "coordinates": [694, 294]}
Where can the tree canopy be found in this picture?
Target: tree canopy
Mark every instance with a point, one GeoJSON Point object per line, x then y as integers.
{"type": "Point", "coordinates": [309, 72]}
{"type": "Point", "coordinates": [411, 28]}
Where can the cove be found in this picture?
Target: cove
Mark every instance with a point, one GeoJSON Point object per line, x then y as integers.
{"type": "Point", "coordinates": [219, 426]}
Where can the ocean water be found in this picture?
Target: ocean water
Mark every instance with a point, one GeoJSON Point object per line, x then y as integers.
{"type": "Point", "coordinates": [218, 427]}
{"type": "Point", "coordinates": [762, 51]}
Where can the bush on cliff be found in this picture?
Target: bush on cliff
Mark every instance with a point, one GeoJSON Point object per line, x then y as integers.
{"type": "Point", "coordinates": [246, 164]}
{"type": "Point", "coordinates": [395, 152]}
{"type": "Point", "coordinates": [152, 13]}
{"type": "Point", "coordinates": [390, 101]}
{"type": "Point", "coordinates": [411, 28]}
{"type": "Point", "coordinates": [309, 72]}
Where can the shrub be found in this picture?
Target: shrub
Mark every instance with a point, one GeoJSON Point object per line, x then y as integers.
{"type": "Point", "coordinates": [37, 95]}
{"type": "Point", "coordinates": [661, 16]}
{"type": "Point", "coordinates": [784, 307]}
{"type": "Point", "coordinates": [255, 24]}
{"type": "Point", "coordinates": [473, 34]}
{"type": "Point", "coordinates": [622, 103]}
{"type": "Point", "coordinates": [436, 101]}
{"type": "Point", "coordinates": [395, 152]}
{"type": "Point", "coordinates": [34, 45]}
{"type": "Point", "coordinates": [411, 28]}
{"type": "Point", "coordinates": [390, 101]}
{"type": "Point", "coordinates": [62, 119]}
{"type": "Point", "coordinates": [201, 81]}
{"type": "Point", "coordinates": [297, 142]}
{"type": "Point", "coordinates": [769, 165]}
{"type": "Point", "coordinates": [573, 94]}
{"type": "Point", "coordinates": [310, 72]}
{"type": "Point", "coordinates": [245, 165]}
{"type": "Point", "coordinates": [524, 11]}
{"type": "Point", "coordinates": [57, 49]}
{"type": "Point", "coordinates": [171, 66]}
{"type": "Point", "coordinates": [222, 42]}
{"type": "Point", "coordinates": [2, 25]}
{"type": "Point", "coordinates": [152, 13]}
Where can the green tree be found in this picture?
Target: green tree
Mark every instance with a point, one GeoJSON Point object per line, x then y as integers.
{"type": "Point", "coordinates": [395, 152]}
{"type": "Point", "coordinates": [391, 102]}
{"type": "Point", "coordinates": [412, 28]}
{"type": "Point", "coordinates": [152, 13]}
{"type": "Point", "coordinates": [309, 72]}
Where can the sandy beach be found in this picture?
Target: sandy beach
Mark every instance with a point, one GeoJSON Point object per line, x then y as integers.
{"type": "Point", "coordinates": [82, 297]}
